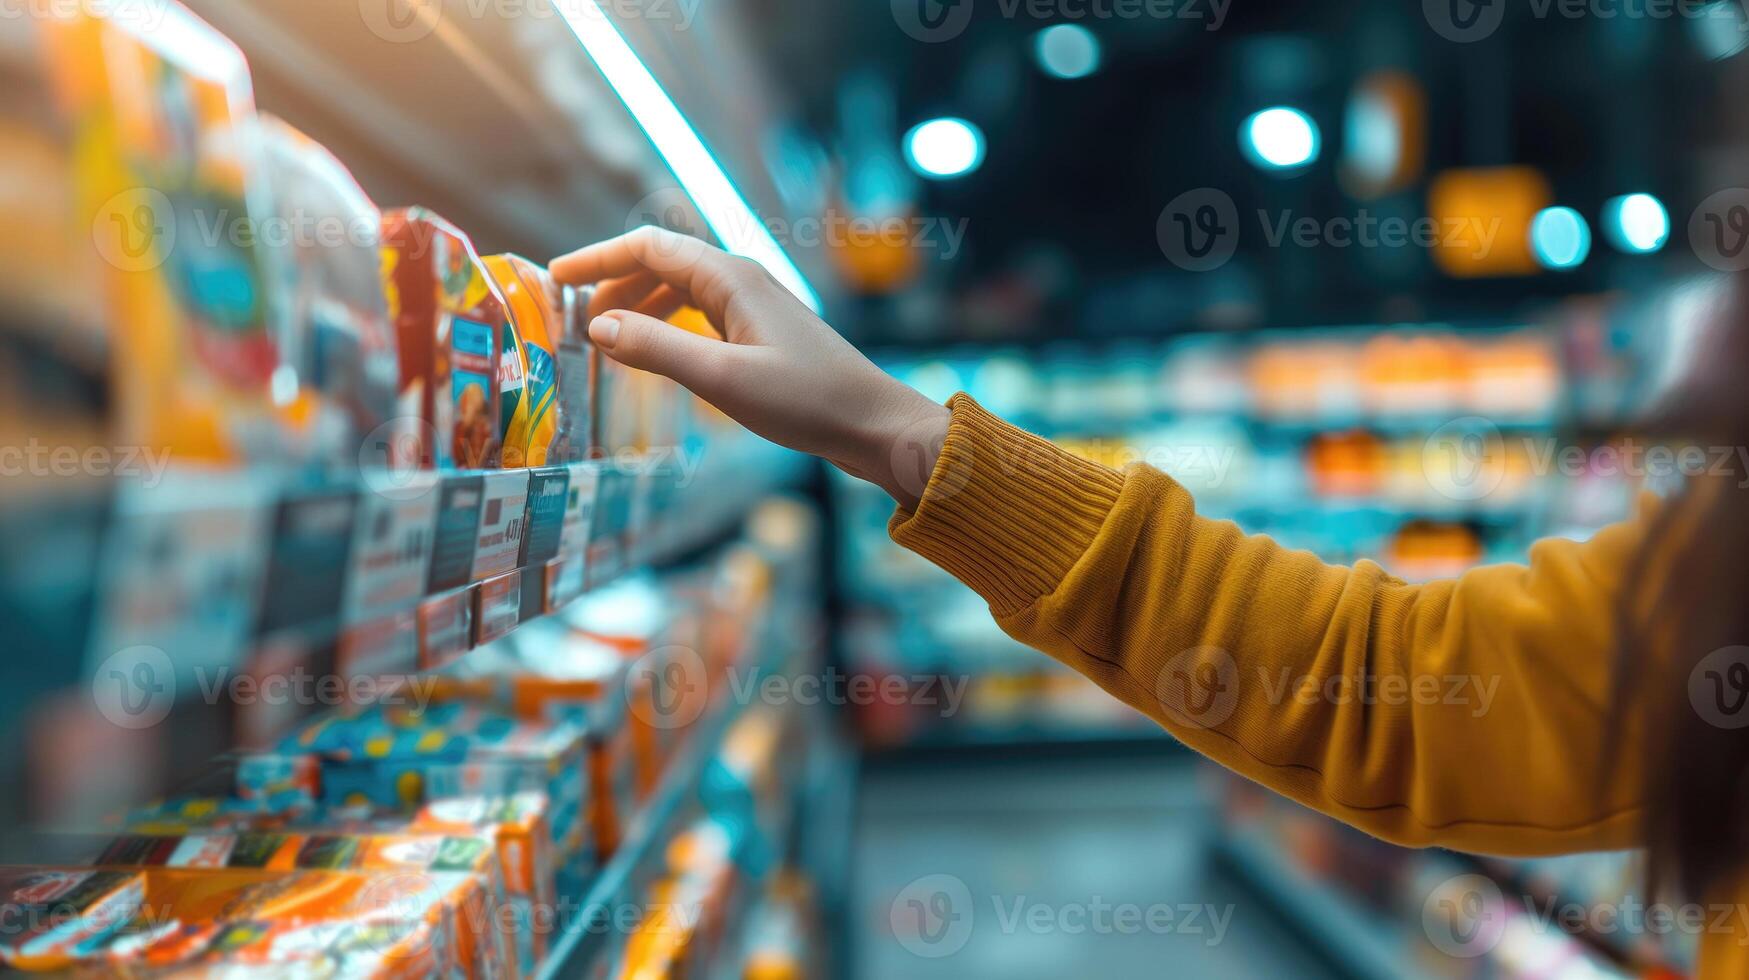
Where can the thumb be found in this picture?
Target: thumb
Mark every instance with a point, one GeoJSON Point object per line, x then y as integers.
{"type": "Point", "coordinates": [648, 344]}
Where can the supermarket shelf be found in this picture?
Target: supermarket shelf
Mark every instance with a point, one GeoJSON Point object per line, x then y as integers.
{"type": "Point", "coordinates": [1358, 941]}
{"type": "Point", "coordinates": [615, 883]}
{"type": "Point", "coordinates": [386, 574]}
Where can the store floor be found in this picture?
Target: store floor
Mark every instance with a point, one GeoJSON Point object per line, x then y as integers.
{"type": "Point", "coordinates": [1053, 868]}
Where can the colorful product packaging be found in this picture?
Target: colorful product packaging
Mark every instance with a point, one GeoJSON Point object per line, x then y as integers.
{"type": "Point", "coordinates": [339, 347]}
{"type": "Point", "coordinates": [450, 324]}
{"type": "Point", "coordinates": [517, 825]}
{"type": "Point", "coordinates": [557, 675]}
{"type": "Point", "coordinates": [375, 950]}
{"type": "Point", "coordinates": [482, 943]}
{"type": "Point", "coordinates": [537, 311]}
{"type": "Point", "coordinates": [170, 165]}
{"type": "Point", "coordinates": [54, 915]}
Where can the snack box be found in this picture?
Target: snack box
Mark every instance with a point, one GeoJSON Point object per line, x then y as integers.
{"type": "Point", "coordinates": [170, 165]}
{"type": "Point", "coordinates": [516, 823]}
{"type": "Point", "coordinates": [449, 327]}
{"type": "Point", "coordinates": [518, 826]}
{"type": "Point", "coordinates": [180, 903]}
{"type": "Point", "coordinates": [533, 425]}
{"type": "Point", "coordinates": [54, 915]}
{"type": "Point", "coordinates": [376, 950]}
{"type": "Point", "coordinates": [558, 675]}
{"type": "Point", "coordinates": [395, 758]}
{"type": "Point", "coordinates": [480, 943]}
{"type": "Point", "coordinates": [339, 344]}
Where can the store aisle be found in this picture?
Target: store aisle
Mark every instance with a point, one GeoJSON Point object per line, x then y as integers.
{"type": "Point", "coordinates": [1056, 868]}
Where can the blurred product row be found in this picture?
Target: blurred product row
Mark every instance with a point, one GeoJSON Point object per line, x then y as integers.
{"type": "Point", "coordinates": [1382, 911]}
{"type": "Point", "coordinates": [1429, 449]}
{"type": "Point", "coordinates": [592, 794]}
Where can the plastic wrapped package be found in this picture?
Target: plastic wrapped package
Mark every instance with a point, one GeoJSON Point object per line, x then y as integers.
{"type": "Point", "coordinates": [338, 344]}
{"type": "Point", "coordinates": [534, 424]}
{"type": "Point", "coordinates": [449, 327]}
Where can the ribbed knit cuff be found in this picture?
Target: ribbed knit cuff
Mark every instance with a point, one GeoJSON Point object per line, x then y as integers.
{"type": "Point", "coordinates": [1005, 511]}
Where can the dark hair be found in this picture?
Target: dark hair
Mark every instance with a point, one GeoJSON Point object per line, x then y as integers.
{"type": "Point", "coordinates": [1687, 597]}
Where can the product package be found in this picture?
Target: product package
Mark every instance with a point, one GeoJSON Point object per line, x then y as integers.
{"type": "Point", "coordinates": [450, 324]}
{"type": "Point", "coordinates": [170, 165]}
{"type": "Point", "coordinates": [517, 825]}
{"type": "Point", "coordinates": [557, 675]}
{"type": "Point", "coordinates": [55, 915]}
{"type": "Point", "coordinates": [395, 758]}
{"type": "Point", "coordinates": [533, 429]}
{"type": "Point", "coordinates": [339, 345]}
{"type": "Point", "coordinates": [367, 950]}
{"type": "Point", "coordinates": [482, 942]}
{"type": "Point", "coordinates": [578, 366]}
{"type": "Point", "coordinates": [181, 902]}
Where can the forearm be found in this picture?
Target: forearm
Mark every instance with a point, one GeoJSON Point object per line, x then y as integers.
{"type": "Point", "coordinates": [1401, 709]}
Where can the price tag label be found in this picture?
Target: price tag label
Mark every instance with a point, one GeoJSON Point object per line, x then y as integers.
{"type": "Point", "coordinates": [446, 628]}
{"type": "Point", "coordinates": [182, 571]}
{"type": "Point", "coordinates": [458, 525]}
{"type": "Point", "coordinates": [499, 607]}
{"type": "Point", "coordinates": [503, 518]}
{"type": "Point", "coordinates": [306, 573]}
{"type": "Point", "coordinates": [391, 549]}
{"type": "Point", "coordinates": [548, 504]}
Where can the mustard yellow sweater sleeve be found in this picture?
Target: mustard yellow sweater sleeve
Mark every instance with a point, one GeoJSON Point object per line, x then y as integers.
{"type": "Point", "coordinates": [1467, 713]}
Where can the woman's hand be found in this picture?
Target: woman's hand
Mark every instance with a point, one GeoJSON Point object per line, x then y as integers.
{"type": "Point", "coordinates": [780, 371]}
